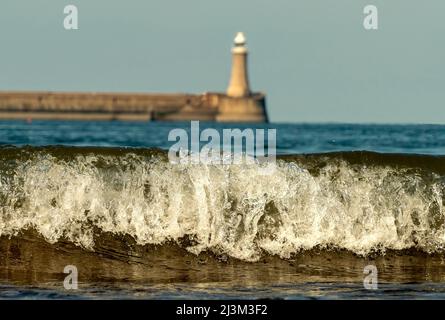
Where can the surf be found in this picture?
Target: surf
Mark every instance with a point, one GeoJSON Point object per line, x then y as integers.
{"type": "Point", "coordinates": [362, 202]}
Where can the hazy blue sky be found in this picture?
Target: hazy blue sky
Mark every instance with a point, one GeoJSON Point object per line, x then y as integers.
{"type": "Point", "coordinates": [313, 58]}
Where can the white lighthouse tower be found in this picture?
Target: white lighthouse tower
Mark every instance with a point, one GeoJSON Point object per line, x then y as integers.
{"type": "Point", "coordinates": [239, 81]}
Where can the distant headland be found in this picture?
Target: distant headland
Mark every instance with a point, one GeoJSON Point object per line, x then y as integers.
{"type": "Point", "coordinates": [238, 104]}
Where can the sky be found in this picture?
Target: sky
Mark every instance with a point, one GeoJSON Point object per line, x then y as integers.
{"type": "Point", "coordinates": [313, 58]}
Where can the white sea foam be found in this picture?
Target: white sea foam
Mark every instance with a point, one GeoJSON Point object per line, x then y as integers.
{"type": "Point", "coordinates": [234, 210]}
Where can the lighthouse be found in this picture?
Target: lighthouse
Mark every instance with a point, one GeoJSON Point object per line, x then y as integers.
{"type": "Point", "coordinates": [239, 81]}
{"type": "Point", "coordinates": [240, 104]}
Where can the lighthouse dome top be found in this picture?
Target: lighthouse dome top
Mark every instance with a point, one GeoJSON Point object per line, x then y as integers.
{"type": "Point", "coordinates": [240, 39]}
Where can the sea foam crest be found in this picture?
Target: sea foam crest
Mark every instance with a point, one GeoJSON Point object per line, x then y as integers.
{"type": "Point", "coordinates": [234, 210]}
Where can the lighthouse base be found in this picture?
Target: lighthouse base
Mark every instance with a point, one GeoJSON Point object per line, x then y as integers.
{"type": "Point", "coordinates": [245, 109]}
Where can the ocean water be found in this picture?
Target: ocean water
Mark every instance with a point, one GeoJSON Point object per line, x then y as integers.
{"type": "Point", "coordinates": [102, 196]}
{"type": "Point", "coordinates": [291, 138]}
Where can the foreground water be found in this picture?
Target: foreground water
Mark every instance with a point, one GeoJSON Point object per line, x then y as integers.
{"type": "Point", "coordinates": [137, 226]}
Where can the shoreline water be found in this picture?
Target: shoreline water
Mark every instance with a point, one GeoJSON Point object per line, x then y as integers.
{"type": "Point", "coordinates": [122, 268]}
{"type": "Point", "coordinates": [136, 226]}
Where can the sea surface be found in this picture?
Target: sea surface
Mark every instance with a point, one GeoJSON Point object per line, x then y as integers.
{"type": "Point", "coordinates": [103, 197]}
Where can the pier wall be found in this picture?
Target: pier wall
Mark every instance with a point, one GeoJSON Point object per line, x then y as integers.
{"type": "Point", "coordinates": [131, 106]}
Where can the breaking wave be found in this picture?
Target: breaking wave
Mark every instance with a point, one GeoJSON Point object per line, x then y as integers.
{"type": "Point", "coordinates": [358, 201]}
